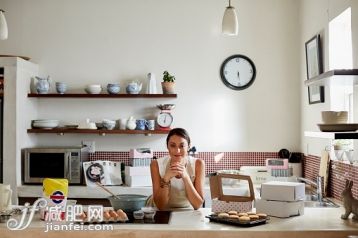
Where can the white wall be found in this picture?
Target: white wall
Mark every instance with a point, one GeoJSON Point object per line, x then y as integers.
{"type": "Point", "coordinates": [91, 41]}
{"type": "Point", "coordinates": [314, 18]}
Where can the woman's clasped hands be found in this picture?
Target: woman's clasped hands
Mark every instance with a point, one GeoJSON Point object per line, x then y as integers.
{"type": "Point", "coordinates": [177, 170]}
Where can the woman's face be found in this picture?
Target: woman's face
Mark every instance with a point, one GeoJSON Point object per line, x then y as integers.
{"type": "Point", "coordinates": [178, 148]}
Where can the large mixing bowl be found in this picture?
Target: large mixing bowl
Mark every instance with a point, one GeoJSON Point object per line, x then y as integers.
{"type": "Point", "coordinates": [128, 202]}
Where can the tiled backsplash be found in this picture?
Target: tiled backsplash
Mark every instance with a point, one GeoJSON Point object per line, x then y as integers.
{"type": "Point", "coordinates": [338, 170]}
{"type": "Point", "coordinates": [230, 160]}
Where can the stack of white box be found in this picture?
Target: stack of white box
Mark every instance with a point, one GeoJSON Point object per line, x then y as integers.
{"type": "Point", "coordinates": [138, 174]}
{"type": "Point", "coordinates": [281, 199]}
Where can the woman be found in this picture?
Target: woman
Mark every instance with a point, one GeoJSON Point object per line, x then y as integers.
{"type": "Point", "coordinates": [178, 179]}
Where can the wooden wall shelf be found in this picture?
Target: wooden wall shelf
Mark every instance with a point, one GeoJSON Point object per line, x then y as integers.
{"type": "Point", "coordinates": [62, 131]}
{"type": "Point", "coordinates": [102, 95]}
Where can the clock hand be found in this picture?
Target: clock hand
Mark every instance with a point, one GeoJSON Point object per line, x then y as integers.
{"type": "Point", "coordinates": [165, 119]}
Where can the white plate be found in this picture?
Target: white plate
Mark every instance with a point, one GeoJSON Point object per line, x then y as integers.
{"type": "Point", "coordinates": [338, 127]}
{"type": "Point", "coordinates": [46, 120]}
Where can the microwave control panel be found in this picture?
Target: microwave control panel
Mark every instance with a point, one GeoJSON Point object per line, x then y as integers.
{"type": "Point", "coordinates": [75, 167]}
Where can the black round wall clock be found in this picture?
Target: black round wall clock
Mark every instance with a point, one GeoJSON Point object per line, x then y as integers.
{"type": "Point", "coordinates": [238, 72]}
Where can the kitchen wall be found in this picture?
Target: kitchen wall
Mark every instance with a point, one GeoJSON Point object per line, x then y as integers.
{"type": "Point", "coordinates": [90, 41]}
{"type": "Point", "coordinates": [314, 18]}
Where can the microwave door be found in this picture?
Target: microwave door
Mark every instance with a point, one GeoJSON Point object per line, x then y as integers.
{"type": "Point", "coordinates": [68, 166]}
{"type": "Point", "coordinates": [46, 165]}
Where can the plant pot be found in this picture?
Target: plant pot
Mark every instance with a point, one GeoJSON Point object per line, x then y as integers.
{"type": "Point", "coordinates": [168, 87]}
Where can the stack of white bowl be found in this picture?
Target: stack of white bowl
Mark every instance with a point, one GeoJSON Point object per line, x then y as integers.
{"type": "Point", "coordinates": [45, 123]}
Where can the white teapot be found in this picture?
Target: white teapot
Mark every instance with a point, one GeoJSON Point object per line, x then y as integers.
{"type": "Point", "coordinates": [131, 123]}
{"type": "Point", "coordinates": [134, 88]}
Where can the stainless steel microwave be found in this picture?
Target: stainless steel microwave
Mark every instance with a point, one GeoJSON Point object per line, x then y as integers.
{"type": "Point", "coordinates": [54, 162]}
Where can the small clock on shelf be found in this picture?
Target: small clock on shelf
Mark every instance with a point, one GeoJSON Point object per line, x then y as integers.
{"type": "Point", "coordinates": [165, 118]}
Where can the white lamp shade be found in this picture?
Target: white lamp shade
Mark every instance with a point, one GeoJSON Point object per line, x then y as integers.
{"type": "Point", "coordinates": [230, 25]}
{"type": "Point", "coordinates": [3, 27]}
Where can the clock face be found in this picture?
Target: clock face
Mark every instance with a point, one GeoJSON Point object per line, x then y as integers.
{"type": "Point", "coordinates": [164, 119]}
{"type": "Point", "coordinates": [238, 72]}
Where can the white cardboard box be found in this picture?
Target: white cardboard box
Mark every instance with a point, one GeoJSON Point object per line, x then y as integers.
{"type": "Point", "coordinates": [137, 171]}
{"type": "Point", "coordinates": [138, 181]}
{"type": "Point", "coordinates": [280, 208]}
{"type": "Point", "coordinates": [283, 191]}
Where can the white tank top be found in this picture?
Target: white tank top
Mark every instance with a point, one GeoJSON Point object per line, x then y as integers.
{"type": "Point", "coordinates": [177, 194]}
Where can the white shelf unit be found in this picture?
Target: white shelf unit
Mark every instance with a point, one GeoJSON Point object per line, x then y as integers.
{"type": "Point", "coordinates": [335, 77]}
{"type": "Point", "coordinates": [17, 112]}
{"type": "Point", "coordinates": [331, 135]}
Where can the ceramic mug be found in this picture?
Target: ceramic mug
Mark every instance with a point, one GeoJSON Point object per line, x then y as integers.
{"type": "Point", "coordinates": [123, 123]}
{"type": "Point", "coordinates": [141, 124]}
{"type": "Point", "coordinates": [61, 87]}
{"type": "Point", "coordinates": [5, 197]}
{"type": "Point", "coordinates": [151, 124]}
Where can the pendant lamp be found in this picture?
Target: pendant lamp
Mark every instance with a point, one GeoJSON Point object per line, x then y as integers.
{"type": "Point", "coordinates": [230, 25]}
{"type": "Point", "coordinates": [3, 26]}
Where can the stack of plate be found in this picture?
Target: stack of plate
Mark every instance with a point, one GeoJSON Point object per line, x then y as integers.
{"type": "Point", "coordinates": [45, 123]}
{"type": "Point", "coordinates": [338, 127]}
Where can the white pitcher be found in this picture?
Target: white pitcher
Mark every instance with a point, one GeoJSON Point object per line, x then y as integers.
{"type": "Point", "coordinates": [131, 123]}
{"type": "Point", "coordinates": [5, 197]}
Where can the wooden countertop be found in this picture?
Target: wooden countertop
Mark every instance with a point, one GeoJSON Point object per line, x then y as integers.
{"type": "Point", "coordinates": [316, 222]}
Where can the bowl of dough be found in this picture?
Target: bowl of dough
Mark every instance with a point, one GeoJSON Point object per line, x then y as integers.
{"type": "Point", "coordinates": [128, 202]}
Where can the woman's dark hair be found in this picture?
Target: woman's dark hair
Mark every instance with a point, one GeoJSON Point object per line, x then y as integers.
{"type": "Point", "coordinates": [179, 132]}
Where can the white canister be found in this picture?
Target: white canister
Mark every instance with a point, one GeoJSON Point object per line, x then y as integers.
{"type": "Point", "coordinates": [151, 84]}
{"type": "Point", "coordinates": [5, 197]}
{"type": "Point", "coordinates": [123, 123]}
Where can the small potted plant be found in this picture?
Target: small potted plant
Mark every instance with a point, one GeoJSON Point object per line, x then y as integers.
{"type": "Point", "coordinates": [168, 83]}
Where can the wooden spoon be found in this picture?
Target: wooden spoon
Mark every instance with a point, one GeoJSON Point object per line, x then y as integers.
{"type": "Point", "coordinates": [105, 189]}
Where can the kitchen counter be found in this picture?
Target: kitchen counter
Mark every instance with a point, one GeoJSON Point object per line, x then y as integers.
{"type": "Point", "coordinates": [316, 222]}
